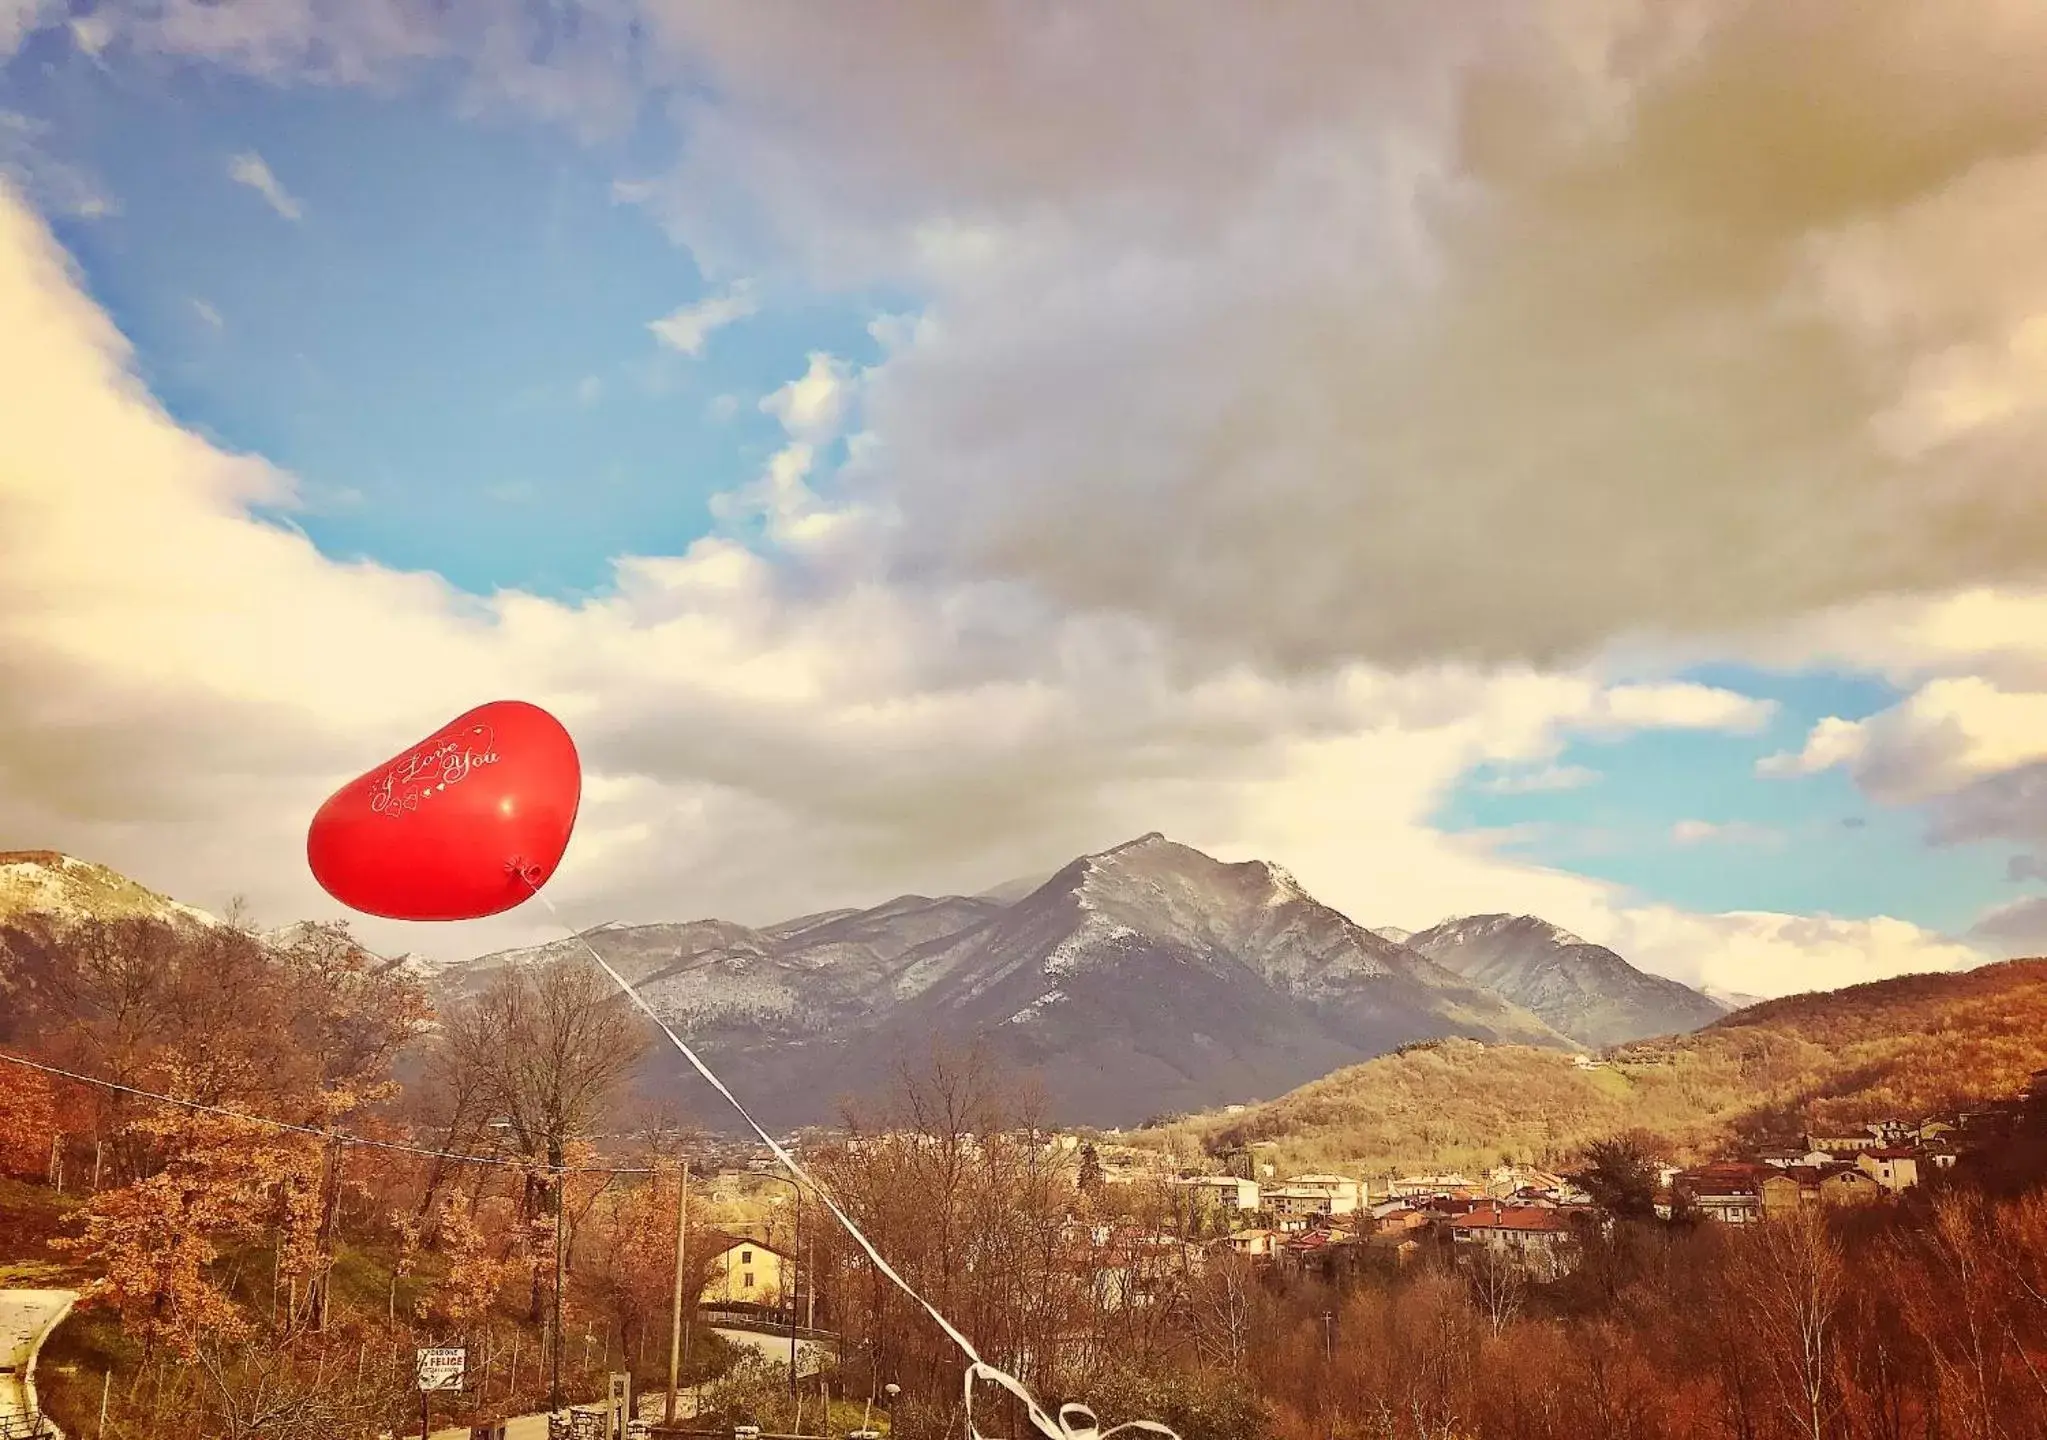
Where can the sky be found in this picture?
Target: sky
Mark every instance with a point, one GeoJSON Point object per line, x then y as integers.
{"type": "Point", "coordinates": [1581, 458]}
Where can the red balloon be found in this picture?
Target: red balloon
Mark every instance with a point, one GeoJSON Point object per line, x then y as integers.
{"type": "Point", "coordinates": [469, 822]}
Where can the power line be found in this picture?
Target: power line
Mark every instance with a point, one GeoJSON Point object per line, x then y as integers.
{"type": "Point", "coordinates": [339, 1137]}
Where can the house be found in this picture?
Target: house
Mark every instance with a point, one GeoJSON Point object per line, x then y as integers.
{"type": "Point", "coordinates": [1227, 1191]}
{"type": "Point", "coordinates": [1844, 1144]}
{"type": "Point", "coordinates": [1541, 1242]}
{"type": "Point", "coordinates": [1728, 1193]}
{"type": "Point", "coordinates": [1344, 1194]}
{"type": "Point", "coordinates": [1295, 1202]}
{"type": "Point", "coordinates": [1322, 1250]}
{"type": "Point", "coordinates": [1783, 1193]}
{"type": "Point", "coordinates": [1253, 1242]}
{"type": "Point", "coordinates": [1508, 1181]}
{"type": "Point", "coordinates": [1893, 1168]}
{"type": "Point", "coordinates": [742, 1271]}
{"type": "Point", "coordinates": [1398, 1222]}
{"type": "Point", "coordinates": [1849, 1187]}
{"type": "Point", "coordinates": [1411, 1185]}
{"type": "Point", "coordinates": [1394, 1252]}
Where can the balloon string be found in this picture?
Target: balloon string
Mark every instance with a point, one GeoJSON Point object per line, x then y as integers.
{"type": "Point", "coordinates": [977, 1367]}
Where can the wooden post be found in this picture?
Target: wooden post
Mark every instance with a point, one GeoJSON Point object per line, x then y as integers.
{"type": "Point", "coordinates": [105, 1384]}
{"type": "Point", "coordinates": [675, 1320]}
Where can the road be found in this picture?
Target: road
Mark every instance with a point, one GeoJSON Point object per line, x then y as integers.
{"type": "Point", "coordinates": [809, 1353]}
{"type": "Point", "coordinates": [26, 1319]}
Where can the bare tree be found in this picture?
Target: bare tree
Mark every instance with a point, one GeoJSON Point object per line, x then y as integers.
{"type": "Point", "coordinates": [1794, 1278]}
{"type": "Point", "coordinates": [1499, 1288]}
{"type": "Point", "coordinates": [1224, 1305]}
{"type": "Point", "coordinates": [544, 1049]}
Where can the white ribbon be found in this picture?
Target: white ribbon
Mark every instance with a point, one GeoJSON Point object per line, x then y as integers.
{"type": "Point", "coordinates": [1074, 1422]}
{"type": "Point", "coordinates": [1081, 1425]}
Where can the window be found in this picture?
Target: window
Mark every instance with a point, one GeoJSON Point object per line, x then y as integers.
{"type": "Point", "coordinates": [746, 1258]}
{"type": "Point", "coordinates": [746, 1279]}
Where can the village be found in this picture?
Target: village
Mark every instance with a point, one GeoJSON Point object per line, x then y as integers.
{"type": "Point", "coordinates": [1519, 1221]}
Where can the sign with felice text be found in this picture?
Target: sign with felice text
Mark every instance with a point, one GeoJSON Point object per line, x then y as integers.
{"type": "Point", "coordinates": [441, 1369]}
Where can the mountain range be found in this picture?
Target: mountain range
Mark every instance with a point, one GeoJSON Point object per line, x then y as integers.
{"type": "Point", "coordinates": [1142, 980]}
{"type": "Point", "coordinates": [1145, 979]}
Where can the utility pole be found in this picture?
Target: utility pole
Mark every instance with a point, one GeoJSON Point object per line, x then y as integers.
{"type": "Point", "coordinates": [675, 1322]}
{"type": "Point", "coordinates": [554, 1402]}
{"type": "Point", "coordinates": [801, 1278]}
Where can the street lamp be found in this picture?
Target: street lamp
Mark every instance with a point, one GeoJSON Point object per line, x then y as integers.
{"type": "Point", "coordinates": [866, 1431]}
{"type": "Point", "coordinates": [798, 1240]}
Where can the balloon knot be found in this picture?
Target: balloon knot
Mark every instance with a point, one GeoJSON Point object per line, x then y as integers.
{"type": "Point", "coordinates": [521, 869]}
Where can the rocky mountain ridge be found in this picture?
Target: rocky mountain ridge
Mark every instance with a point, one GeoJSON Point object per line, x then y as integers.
{"type": "Point", "coordinates": [1585, 990]}
{"type": "Point", "coordinates": [1144, 979]}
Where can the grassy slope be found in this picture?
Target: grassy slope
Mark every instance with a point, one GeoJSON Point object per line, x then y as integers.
{"type": "Point", "coordinates": [1896, 1047]}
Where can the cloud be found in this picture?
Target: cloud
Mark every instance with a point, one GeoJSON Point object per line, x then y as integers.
{"type": "Point", "coordinates": [29, 159]}
{"type": "Point", "coordinates": [1833, 741]}
{"type": "Point", "coordinates": [2016, 929]}
{"type": "Point", "coordinates": [208, 316]}
{"type": "Point", "coordinates": [687, 329]}
{"type": "Point", "coordinates": [184, 683]}
{"type": "Point", "coordinates": [252, 170]}
{"type": "Point", "coordinates": [1329, 288]}
{"type": "Point", "coordinates": [1676, 332]}
{"type": "Point", "coordinates": [1685, 706]}
{"type": "Point", "coordinates": [1549, 778]}
{"type": "Point", "coordinates": [812, 406]}
{"type": "Point", "coordinates": [1947, 734]}
{"type": "Point", "coordinates": [1291, 417]}
{"type": "Point", "coordinates": [17, 19]}
{"type": "Point", "coordinates": [1731, 832]}
{"type": "Point", "coordinates": [2026, 867]}
{"type": "Point", "coordinates": [1766, 954]}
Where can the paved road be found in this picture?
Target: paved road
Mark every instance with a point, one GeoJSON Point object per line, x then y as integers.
{"type": "Point", "coordinates": [26, 1319]}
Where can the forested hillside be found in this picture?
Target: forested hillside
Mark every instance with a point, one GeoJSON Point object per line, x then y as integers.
{"type": "Point", "coordinates": [1904, 1047]}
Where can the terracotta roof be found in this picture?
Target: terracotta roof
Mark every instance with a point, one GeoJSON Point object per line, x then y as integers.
{"type": "Point", "coordinates": [1512, 1217]}
{"type": "Point", "coordinates": [717, 1242]}
{"type": "Point", "coordinates": [1897, 1153]}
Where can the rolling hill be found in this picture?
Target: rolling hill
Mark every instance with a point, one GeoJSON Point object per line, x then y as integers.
{"type": "Point", "coordinates": [1906, 1047]}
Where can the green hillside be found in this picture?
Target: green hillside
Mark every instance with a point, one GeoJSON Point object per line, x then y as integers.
{"type": "Point", "coordinates": [1903, 1047]}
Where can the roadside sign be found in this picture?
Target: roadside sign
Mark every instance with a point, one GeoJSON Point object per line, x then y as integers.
{"type": "Point", "coordinates": [441, 1369]}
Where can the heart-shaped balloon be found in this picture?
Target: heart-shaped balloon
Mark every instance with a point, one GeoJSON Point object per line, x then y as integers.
{"type": "Point", "coordinates": [469, 822]}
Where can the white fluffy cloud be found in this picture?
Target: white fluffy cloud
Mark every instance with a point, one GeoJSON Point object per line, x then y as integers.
{"type": "Point", "coordinates": [185, 683]}
{"type": "Point", "coordinates": [1498, 333]}
{"type": "Point", "coordinates": [689, 328]}
{"type": "Point", "coordinates": [1947, 734]}
{"type": "Point", "coordinates": [1304, 398]}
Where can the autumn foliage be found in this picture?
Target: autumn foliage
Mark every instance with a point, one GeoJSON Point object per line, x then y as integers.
{"type": "Point", "coordinates": [272, 1280]}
